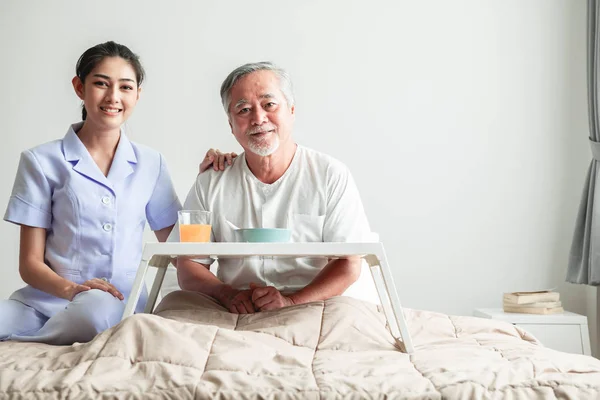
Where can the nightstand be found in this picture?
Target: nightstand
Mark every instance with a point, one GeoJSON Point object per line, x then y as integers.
{"type": "Point", "coordinates": [566, 331]}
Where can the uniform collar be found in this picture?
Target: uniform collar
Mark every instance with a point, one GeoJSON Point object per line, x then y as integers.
{"type": "Point", "coordinates": [76, 153]}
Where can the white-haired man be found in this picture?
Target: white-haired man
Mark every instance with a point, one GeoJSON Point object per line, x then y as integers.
{"type": "Point", "coordinates": [275, 183]}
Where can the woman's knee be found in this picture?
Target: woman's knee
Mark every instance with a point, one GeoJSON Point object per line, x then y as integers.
{"type": "Point", "coordinates": [96, 310]}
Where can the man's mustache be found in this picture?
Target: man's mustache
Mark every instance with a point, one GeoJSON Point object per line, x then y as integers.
{"type": "Point", "coordinates": [261, 129]}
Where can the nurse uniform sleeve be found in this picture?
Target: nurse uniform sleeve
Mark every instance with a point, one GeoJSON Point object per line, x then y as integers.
{"type": "Point", "coordinates": [161, 210]}
{"type": "Point", "coordinates": [345, 219]}
{"type": "Point", "coordinates": [31, 198]}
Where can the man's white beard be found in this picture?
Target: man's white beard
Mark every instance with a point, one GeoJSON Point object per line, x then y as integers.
{"type": "Point", "coordinates": [262, 148]}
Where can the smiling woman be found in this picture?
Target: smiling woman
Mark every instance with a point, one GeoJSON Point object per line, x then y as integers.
{"type": "Point", "coordinates": [111, 90]}
{"type": "Point", "coordinates": [120, 60]}
{"type": "Point", "coordinates": [82, 203]}
{"type": "Point", "coordinates": [108, 81]}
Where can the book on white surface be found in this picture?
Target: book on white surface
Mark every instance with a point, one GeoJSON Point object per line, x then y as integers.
{"type": "Point", "coordinates": [530, 297]}
{"type": "Point", "coordinates": [533, 310]}
{"type": "Point", "coordinates": [539, 304]}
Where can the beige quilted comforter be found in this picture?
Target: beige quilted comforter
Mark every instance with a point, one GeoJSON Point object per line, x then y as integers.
{"type": "Point", "coordinates": [339, 348]}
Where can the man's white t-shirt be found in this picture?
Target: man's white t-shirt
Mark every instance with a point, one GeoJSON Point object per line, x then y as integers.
{"type": "Point", "coordinates": [316, 198]}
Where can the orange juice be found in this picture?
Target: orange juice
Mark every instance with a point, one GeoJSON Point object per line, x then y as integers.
{"type": "Point", "coordinates": [194, 233]}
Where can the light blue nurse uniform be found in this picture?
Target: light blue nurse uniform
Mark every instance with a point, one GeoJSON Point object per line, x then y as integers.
{"type": "Point", "coordinates": [95, 226]}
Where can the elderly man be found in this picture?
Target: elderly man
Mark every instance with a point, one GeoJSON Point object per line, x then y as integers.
{"type": "Point", "coordinates": [275, 183]}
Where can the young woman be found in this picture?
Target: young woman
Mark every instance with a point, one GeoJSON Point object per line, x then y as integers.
{"type": "Point", "coordinates": [82, 203]}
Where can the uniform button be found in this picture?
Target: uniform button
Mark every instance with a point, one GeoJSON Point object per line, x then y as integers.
{"type": "Point", "coordinates": [106, 200]}
{"type": "Point", "coordinates": [107, 227]}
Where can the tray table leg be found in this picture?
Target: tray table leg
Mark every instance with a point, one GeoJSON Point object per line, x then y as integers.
{"type": "Point", "coordinates": [136, 290]}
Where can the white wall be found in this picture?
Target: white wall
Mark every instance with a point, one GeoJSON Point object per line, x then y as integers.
{"type": "Point", "coordinates": [464, 122]}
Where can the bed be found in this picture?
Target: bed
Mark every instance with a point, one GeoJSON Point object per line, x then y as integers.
{"type": "Point", "coordinates": [340, 348]}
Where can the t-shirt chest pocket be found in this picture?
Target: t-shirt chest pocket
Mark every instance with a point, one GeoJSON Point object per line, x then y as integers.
{"type": "Point", "coordinates": [306, 227]}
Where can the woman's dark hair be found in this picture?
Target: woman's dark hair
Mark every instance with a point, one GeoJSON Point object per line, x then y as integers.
{"type": "Point", "coordinates": [94, 55]}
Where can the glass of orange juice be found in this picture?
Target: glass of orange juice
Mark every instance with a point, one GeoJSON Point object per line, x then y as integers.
{"type": "Point", "coordinates": [194, 226]}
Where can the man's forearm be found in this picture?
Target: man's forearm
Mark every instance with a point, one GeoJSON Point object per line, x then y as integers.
{"type": "Point", "coordinates": [333, 280]}
{"type": "Point", "coordinates": [197, 277]}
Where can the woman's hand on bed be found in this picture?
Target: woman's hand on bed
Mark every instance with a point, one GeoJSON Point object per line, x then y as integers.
{"type": "Point", "coordinates": [217, 160]}
{"type": "Point", "coordinates": [268, 298]}
{"type": "Point", "coordinates": [238, 301]}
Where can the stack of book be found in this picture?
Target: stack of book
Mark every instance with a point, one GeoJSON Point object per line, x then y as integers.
{"type": "Point", "coordinates": [542, 302]}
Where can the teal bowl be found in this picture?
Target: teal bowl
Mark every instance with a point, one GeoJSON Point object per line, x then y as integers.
{"type": "Point", "coordinates": [264, 235]}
